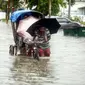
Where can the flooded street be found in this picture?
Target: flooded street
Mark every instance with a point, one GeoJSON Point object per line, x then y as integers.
{"type": "Point", "coordinates": [66, 65]}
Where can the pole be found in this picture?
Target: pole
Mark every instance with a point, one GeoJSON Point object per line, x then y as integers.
{"type": "Point", "coordinates": [49, 8]}
{"type": "Point", "coordinates": [69, 9]}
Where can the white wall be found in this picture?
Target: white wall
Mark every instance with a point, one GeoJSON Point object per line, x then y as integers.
{"type": "Point", "coordinates": [2, 15]}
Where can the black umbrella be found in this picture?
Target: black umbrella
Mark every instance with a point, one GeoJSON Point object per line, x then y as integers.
{"type": "Point", "coordinates": [50, 23]}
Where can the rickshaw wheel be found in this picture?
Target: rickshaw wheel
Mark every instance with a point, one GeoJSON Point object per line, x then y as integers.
{"type": "Point", "coordinates": [11, 49]}
{"type": "Point", "coordinates": [15, 50]}
{"type": "Point", "coordinates": [35, 54]}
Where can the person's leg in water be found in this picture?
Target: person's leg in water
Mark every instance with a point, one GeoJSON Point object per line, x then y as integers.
{"type": "Point", "coordinates": [47, 52]}
{"type": "Point", "coordinates": [44, 52]}
{"type": "Point", "coordinates": [41, 52]}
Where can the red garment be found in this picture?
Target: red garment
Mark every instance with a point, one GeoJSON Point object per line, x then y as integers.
{"type": "Point", "coordinates": [42, 52]}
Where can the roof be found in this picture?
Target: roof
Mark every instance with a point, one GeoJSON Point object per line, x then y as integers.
{"type": "Point", "coordinates": [18, 15]}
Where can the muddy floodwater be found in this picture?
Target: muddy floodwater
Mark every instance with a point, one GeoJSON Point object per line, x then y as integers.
{"type": "Point", "coordinates": [65, 66]}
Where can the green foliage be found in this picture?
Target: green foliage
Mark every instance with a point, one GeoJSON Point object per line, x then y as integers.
{"type": "Point", "coordinates": [56, 6]}
{"type": "Point", "coordinates": [83, 23]}
{"type": "Point", "coordinates": [3, 20]}
{"type": "Point", "coordinates": [78, 19]}
{"type": "Point", "coordinates": [12, 3]}
{"type": "Point", "coordinates": [43, 5]}
{"type": "Point", "coordinates": [3, 5]}
{"type": "Point", "coordinates": [15, 3]}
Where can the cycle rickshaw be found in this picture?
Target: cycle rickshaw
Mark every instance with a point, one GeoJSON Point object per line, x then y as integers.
{"type": "Point", "coordinates": [51, 24]}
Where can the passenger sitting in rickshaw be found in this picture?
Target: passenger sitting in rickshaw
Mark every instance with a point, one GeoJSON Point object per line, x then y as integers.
{"type": "Point", "coordinates": [43, 35]}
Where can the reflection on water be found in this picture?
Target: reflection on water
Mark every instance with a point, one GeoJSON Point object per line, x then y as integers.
{"type": "Point", "coordinates": [30, 70]}
{"type": "Point", "coordinates": [26, 65]}
{"type": "Point", "coordinates": [66, 65]}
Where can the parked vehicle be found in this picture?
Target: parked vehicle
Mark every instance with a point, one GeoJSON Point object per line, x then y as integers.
{"type": "Point", "coordinates": [67, 23]}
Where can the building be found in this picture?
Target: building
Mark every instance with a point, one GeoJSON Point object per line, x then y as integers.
{"type": "Point", "coordinates": [80, 6]}
{"type": "Point", "coordinates": [78, 9]}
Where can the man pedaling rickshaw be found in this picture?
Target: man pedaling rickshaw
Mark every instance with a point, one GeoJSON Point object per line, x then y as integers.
{"type": "Point", "coordinates": [43, 35]}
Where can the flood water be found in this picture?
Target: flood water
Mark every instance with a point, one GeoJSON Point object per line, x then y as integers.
{"type": "Point", "coordinates": [66, 65]}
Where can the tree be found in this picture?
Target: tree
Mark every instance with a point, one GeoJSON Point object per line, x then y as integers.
{"type": "Point", "coordinates": [43, 5]}
{"type": "Point", "coordinates": [3, 5]}
{"type": "Point", "coordinates": [12, 3]}
{"type": "Point", "coordinates": [7, 6]}
{"type": "Point", "coordinates": [50, 8]}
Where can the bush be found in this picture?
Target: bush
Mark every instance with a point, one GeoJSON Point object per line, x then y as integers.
{"type": "Point", "coordinates": [3, 20]}
{"type": "Point", "coordinates": [78, 19]}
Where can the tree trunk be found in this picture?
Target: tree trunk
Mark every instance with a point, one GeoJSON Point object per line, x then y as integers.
{"type": "Point", "coordinates": [69, 9]}
{"type": "Point", "coordinates": [49, 8]}
{"type": "Point", "coordinates": [8, 11]}
{"type": "Point", "coordinates": [7, 14]}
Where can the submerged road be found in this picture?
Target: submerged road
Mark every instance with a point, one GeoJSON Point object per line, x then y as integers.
{"type": "Point", "coordinates": [66, 65]}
